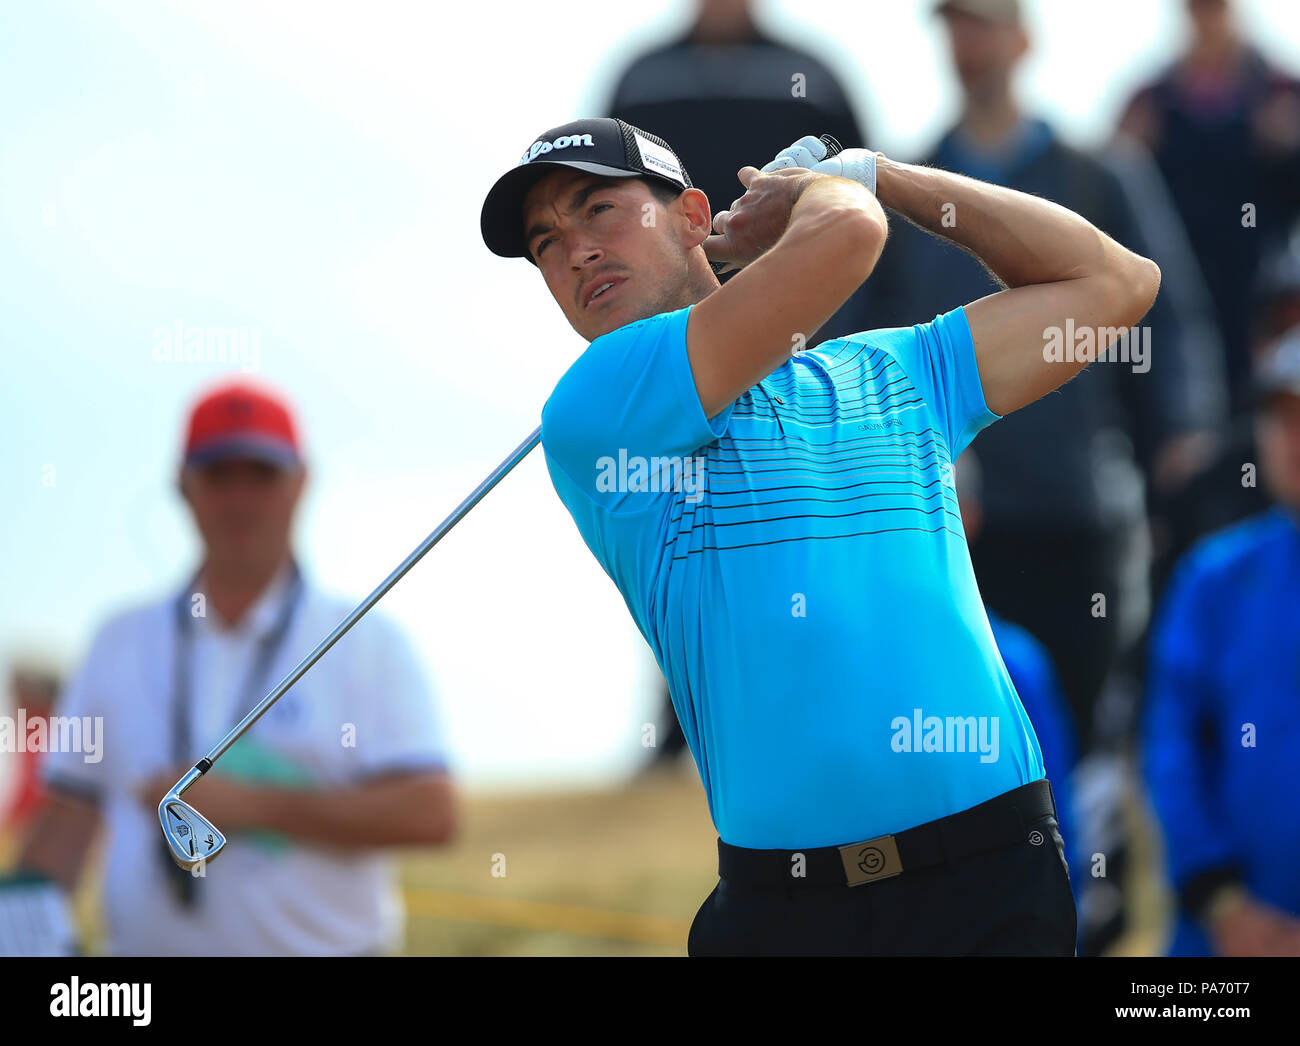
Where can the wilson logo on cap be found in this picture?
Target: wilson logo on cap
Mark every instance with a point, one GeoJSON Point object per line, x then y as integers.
{"type": "Point", "coordinates": [563, 142]}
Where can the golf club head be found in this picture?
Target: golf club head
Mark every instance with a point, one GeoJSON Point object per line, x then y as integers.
{"type": "Point", "coordinates": [191, 837]}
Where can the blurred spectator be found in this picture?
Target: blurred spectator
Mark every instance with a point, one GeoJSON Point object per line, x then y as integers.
{"type": "Point", "coordinates": [1186, 297]}
{"type": "Point", "coordinates": [348, 763]}
{"type": "Point", "coordinates": [1221, 733]}
{"type": "Point", "coordinates": [728, 94]}
{"type": "Point", "coordinates": [1064, 502]}
{"type": "Point", "coordinates": [1227, 489]}
{"type": "Point", "coordinates": [1030, 667]}
{"type": "Point", "coordinates": [1224, 126]}
{"type": "Point", "coordinates": [34, 685]}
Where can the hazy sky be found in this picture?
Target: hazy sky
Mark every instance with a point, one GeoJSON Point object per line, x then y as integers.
{"type": "Point", "coordinates": [309, 177]}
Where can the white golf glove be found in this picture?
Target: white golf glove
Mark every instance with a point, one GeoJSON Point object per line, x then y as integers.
{"type": "Point", "coordinates": [35, 917]}
{"type": "Point", "coordinates": [809, 152]}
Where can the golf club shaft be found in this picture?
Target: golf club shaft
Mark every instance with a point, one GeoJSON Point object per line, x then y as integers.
{"type": "Point", "coordinates": [205, 764]}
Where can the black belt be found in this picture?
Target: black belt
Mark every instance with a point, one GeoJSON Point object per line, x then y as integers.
{"type": "Point", "coordinates": [1000, 822]}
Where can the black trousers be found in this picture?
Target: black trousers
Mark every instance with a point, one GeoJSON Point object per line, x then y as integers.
{"type": "Point", "coordinates": [1012, 901]}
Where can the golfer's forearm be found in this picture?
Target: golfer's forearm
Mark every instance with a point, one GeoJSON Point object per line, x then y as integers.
{"type": "Point", "coordinates": [412, 811]}
{"type": "Point", "coordinates": [1022, 239]}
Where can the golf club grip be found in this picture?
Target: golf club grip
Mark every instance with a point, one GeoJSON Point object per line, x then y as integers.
{"type": "Point", "coordinates": [457, 514]}
{"type": "Point", "coordinates": [832, 146]}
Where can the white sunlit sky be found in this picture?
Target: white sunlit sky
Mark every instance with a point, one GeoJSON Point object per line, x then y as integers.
{"type": "Point", "coordinates": [311, 174]}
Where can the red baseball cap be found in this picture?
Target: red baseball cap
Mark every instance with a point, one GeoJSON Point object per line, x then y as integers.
{"type": "Point", "coordinates": [242, 419]}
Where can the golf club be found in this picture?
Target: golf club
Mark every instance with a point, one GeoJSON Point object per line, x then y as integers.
{"type": "Point", "coordinates": [191, 837]}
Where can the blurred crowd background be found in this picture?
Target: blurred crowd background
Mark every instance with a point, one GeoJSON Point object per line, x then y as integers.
{"type": "Point", "coordinates": [1136, 535]}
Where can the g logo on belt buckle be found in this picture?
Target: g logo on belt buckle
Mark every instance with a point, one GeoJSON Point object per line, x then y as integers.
{"type": "Point", "coordinates": [872, 859]}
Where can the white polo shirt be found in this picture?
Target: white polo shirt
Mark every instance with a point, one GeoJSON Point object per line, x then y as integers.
{"type": "Point", "coordinates": [364, 708]}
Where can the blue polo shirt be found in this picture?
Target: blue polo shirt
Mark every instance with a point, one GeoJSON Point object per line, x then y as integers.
{"type": "Point", "coordinates": [798, 566]}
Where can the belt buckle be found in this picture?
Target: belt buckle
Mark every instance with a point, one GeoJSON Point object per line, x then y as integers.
{"type": "Point", "coordinates": [871, 859]}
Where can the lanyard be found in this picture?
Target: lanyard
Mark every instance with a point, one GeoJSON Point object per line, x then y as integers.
{"type": "Point", "coordinates": [268, 646]}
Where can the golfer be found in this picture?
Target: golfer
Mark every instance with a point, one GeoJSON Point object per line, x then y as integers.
{"type": "Point", "coordinates": [782, 522]}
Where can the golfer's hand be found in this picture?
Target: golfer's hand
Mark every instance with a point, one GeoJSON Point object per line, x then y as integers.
{"type": "Point", "coordinates": [755, 221]}
{"type": "Point", "coordinates": [229, 804]}
{"type": "Point", "coordinates": [858, 165]}
{"type": "Point", "coordinates": [806, 153]}
{"type": "Point", "coordinates": [1253, 928]}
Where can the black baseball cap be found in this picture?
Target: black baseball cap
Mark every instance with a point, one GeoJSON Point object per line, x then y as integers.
{"type": "Point", "coordinates": [601, 145]}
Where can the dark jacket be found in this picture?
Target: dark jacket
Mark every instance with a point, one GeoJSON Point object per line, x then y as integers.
{"type": "Point", "coordinates": [724, 107]}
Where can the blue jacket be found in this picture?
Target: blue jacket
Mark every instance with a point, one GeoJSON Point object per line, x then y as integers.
{"type": "Point", "coordinates": [1220, 731]}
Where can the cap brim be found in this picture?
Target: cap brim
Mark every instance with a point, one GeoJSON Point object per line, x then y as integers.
{"type": "Point", "coordinates": [502, 220]}
{"type": "Point", "coordinates": [255, 446]}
